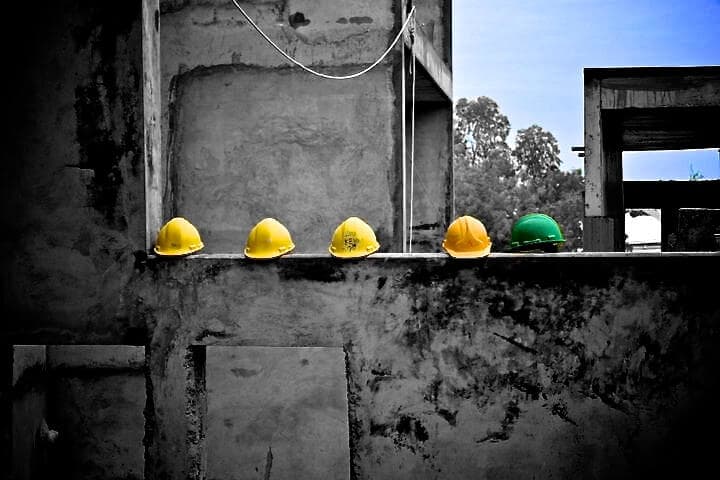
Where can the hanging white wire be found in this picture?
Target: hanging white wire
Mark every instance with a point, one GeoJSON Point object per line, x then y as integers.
{"type": "Point", "coordinates": [320, 74]}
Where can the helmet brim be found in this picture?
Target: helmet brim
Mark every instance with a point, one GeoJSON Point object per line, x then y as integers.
{"type": "Point", "coordinates": [253, 256]}
{"type": "Point", "coordinates": [477, 254]}
{"type": "Point", "coordinates": [353, 255]}
{"type": "Point", "coordinates": [179, 253]}
{"type": "Point", "coordinates": [535, 245]}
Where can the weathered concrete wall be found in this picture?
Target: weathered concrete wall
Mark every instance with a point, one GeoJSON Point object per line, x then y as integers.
{"type": "Point", "coordinates": [72, 175]}
{"type": "Point", "coordinates": [549, 366]}
{"type": "Point", "coordinates": [78, 410]}
{"type": "Point", "coordinates": [308, 151]}
{"type": "Point", "coordinates": [253, 142]}
{"type": "Point", "coordinates": [71, 192]}
{"type": "Point", "coordinates": [199, 34]}
{"type": "Point", "coordinates": [276, 412]}
{"type": "Point", "coordinates": [558, 366]}
{"type": "Point", "coordinates": [96, 402]}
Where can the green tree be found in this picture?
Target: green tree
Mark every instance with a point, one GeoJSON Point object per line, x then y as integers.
{"type": "Point", "coordinates": [480, 128]}
{"type": "Point", "coordinates": [695, 174]}
{"type": "Point", "coordinates": [536, 153]}
{"type": "Point", "coordinates": [498, 185]}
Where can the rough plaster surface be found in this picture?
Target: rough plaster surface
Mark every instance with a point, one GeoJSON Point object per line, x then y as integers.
{"type": "Point", "coordinates": [505, 367]}
{"type": "Point", "coordinates": [277, 413]}
{"type": "Point", "coordinates": [204, 33]}
{"type": "Point", "coordinates": [333, 34]}
{"type": "Point", "coordinates": [254, 143]}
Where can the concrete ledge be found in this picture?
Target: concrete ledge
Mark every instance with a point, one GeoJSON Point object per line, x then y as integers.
{"type": "Point", "coordinates": [440, 256]}
{"type": "Point", "coordinates": [93, 357]}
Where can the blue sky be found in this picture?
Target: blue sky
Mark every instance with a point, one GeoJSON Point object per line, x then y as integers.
{"type": "Point", "coordinates": [528, 56]}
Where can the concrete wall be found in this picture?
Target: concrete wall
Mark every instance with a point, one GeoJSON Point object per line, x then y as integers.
{"type": "Point", "coordinates": [248, 137]}
{"type": "Point", "coordinates": [253, 142]}
{"type": "Point", "coordinates": [72, 204]}
{"type": "Point", "coordinates": [276, 412]}
{"type": "Point", "coordinates": [557, 366]}
{"type": "Point", "coordinates": [78, 410]}
{"type": "Point", "coordinates": [72, 175]}
{"type": "Point", "coordinates": [96, 401]}
{"type": "Point", "coordinates": [549, 366]}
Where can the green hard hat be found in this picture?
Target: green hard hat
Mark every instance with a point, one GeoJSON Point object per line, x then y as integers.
{"type": "Point", "coordinates": [535, 230]}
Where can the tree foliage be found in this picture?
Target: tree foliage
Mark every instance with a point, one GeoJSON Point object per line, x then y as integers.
{"type": "Point", "coordinates": [480, 128]}
{"type": "Point", "coordinates": [536, 153]}
{"type": "Point", "coordinates": [498, 185]}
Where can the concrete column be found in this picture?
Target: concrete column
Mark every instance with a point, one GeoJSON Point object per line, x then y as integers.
{"type": "Point", "coordinates": [604, 228]}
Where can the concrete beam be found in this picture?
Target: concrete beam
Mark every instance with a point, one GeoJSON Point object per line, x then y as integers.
{"type": "Point", "coordinates": [657, 87]}
{"type": "Point", "coordinates": [668, 128]}
{"type": "Point", "coordinates": [672, 194]}
{"type": "Point", "coordinates": [430, 61]}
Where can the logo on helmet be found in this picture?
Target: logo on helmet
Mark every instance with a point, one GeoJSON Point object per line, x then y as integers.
{"type": "Point", "coordinates": [351, 241]}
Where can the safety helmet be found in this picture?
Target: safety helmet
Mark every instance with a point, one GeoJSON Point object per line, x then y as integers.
{"type": "Point", "coordinates": [535, 231]}
{"type": "Point", "coordinates": [466, 237]}
{"type": "Point", "coordinates": [268, 239]}
{"type": "Point", "coordinates": [353, 238]}
{"type": "Point", "coordinates": [178, 237]}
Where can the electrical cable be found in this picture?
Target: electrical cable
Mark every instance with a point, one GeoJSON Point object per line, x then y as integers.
{"type": "Point", "coordinates": [403, 88]}
{"type": "Point", "coordinates": [314, 72]}
{"type": "Point", "coordinates": [412, 142]}
{"type": "Point", "coordinates": [403, 134]}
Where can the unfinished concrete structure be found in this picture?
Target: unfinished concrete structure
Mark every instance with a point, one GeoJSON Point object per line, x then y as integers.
{"type": "Point", "coordinates": [634, 109]}
{"type": "Point", "coordinates": [213, 366]}
{"type": "Point", "coordinates": [249, 136]}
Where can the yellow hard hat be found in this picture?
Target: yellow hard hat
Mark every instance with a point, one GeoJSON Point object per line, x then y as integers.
{"type": "Point", "coordinates": [268, 239]}
{"type": "Point", "coordinates": [178, 237]}
{"type": "Point", "coordinates": [353, 238]}
{"type": "Point", "coordinates": [466, 237]}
